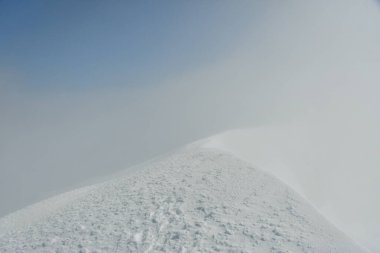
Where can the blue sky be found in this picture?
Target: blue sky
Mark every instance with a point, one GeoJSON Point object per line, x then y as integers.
{"type": "Point", "coordinates": [75, 45]}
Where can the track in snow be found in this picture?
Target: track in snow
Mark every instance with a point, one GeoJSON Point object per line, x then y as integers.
{"type": "Point", "coordinates": [197, 200]}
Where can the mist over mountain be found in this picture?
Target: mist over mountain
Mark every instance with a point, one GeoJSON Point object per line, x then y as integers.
{"type": "Point", "coordinates": [88, 89]}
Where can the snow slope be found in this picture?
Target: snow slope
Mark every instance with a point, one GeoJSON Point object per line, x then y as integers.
{"type": "Point", "coordinates": [331, 165]}
{"type": "Point", "coordinates": [195, 200]}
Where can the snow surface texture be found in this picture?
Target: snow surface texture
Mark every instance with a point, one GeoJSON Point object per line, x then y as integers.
{"type": "Point", "coordinates": [196, 200]}
{"type": "Point", "coordinates": [330, 165]}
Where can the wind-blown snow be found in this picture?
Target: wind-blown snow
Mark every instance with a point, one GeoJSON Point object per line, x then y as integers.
{"type": "Point", "coordinates": [329, 164]}
{"type": "Point", "coordinates": [195, 200]}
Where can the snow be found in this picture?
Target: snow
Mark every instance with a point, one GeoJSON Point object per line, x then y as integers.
{"type": "Point", "coordinates": [195, 200]}
{"type": "Point", "coordinates": [321, 161]}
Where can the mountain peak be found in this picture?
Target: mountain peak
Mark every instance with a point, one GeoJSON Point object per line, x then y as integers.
{"type": "Point", "coordinates": [197, 199]}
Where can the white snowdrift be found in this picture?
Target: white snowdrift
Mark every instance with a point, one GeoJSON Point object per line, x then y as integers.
{"type": "Point", "coordinates": [196, 200]}
{"type": "Point", "coordinates": [331, 165]}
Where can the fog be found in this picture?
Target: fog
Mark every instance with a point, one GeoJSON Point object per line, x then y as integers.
{"type": "Point", "coordinates": [314, 62]}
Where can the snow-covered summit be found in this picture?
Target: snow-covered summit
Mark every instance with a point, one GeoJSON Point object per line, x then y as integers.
{"type": "Point", "coordinates": [195, 200]}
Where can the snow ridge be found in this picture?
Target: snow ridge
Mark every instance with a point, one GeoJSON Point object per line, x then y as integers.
{"type": "Point", "coordinates": [196, 200]}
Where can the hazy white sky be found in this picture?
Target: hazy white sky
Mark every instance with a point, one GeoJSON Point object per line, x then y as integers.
{"type": "Point", "coordinates": [116, 85]}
